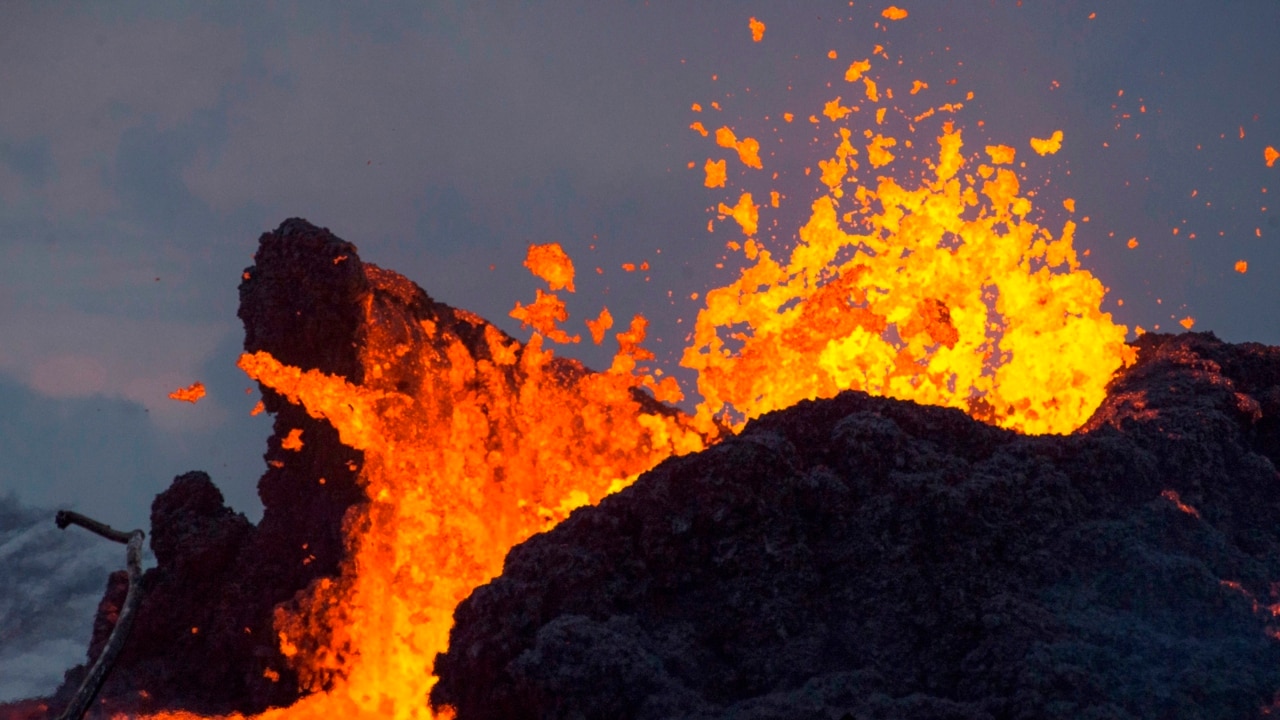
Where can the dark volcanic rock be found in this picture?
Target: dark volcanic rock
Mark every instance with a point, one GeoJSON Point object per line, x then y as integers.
{"type": "Point", "coordinates": [869, 558]}
{"type": "Point", "coordinates": [204, 638]}
{"type": "Point", "coordinates": [190, 610]}
{"type": "Point", "coordinates": [310, 302]}
{"type": "Point", "coordinates": [219, 579]}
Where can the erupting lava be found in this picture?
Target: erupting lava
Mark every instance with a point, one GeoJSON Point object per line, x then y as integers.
{"type": "Point", "coordinates": [940, 291]}
{"type": "Point", "coordinates": [497, 449]}
{"type": "Point", "coordinates": [945, 294]}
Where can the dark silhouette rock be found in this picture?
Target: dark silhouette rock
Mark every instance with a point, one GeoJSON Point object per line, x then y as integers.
{"type": "Point", "coordinates": [869, 558]}
{"type": "Point", "coordinates": [303, 301]}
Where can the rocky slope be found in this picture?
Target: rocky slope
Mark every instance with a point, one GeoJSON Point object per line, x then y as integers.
{"type": "Point", "coordinates": [869, 558]}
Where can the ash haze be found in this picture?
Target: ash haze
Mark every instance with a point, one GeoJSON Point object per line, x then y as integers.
{"type": "Point", "coordinates": [144, 147]}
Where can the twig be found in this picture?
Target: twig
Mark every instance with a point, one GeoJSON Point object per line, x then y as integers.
{"type": "Point", "coordinates": [133, 596]}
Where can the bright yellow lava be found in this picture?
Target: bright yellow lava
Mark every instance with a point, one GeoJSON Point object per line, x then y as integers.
{"type": "Point", "coordinates": [944, 293]}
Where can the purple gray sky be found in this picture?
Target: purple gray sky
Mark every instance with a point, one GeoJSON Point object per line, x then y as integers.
{"type": "Point", "coordinates": [145, 146]}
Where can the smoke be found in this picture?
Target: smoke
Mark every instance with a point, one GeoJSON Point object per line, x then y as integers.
{"type": "Point", "coordinates": [53, 581]}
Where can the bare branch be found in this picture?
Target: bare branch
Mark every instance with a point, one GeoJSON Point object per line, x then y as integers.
{"type": "Point", "coordinates": [133, 596]}
{"type": "Point", "coordinates": [70, 517]}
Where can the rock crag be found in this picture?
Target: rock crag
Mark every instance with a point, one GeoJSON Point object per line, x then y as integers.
{"type": "Point", "coordinates": [869, 558]}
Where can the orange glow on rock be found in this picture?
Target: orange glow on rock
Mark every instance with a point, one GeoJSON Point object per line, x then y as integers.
{"type": "Point", "coordinates": [1173, 497]}
{"type": "Point", "coordinates": [292, 441]}
{"type": "Point", "coordinates": [191, 393]}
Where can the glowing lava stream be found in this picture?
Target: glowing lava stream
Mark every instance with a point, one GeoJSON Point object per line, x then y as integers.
{"type": "Point", "coordinates": [943, 293]}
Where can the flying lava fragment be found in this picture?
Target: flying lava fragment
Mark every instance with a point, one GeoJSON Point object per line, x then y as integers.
{"type": "Point", "coordinates": [757, 30]}
{"type": "Point", "coordinates": [894, 13]}
{"type": "Point", "coordinates": [1048, 146]}
{"type": "Point", "coordinates": [1270, 154]}
{"type": "Point", "coordinates": [715, 170]}
{"type": "Point", "coordinates": [191, 393]}
{"type": "Point", "coordinates": [551, 263]}
{"type": "Point", "coordinates": [748, 148]}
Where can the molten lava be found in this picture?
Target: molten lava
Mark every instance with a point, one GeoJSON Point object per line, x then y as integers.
{"type": "Point", "coordinates": [191, 393]}
{"type": "Point", "coordinates": [944, 293]}
{"type": "Point", "coordinates": [502, 448]}
{"type": "Point", "coordinates": [941, 291]}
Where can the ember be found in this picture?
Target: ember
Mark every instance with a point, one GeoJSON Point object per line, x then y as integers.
{"type": "Point", "coordinates": [192, 393]}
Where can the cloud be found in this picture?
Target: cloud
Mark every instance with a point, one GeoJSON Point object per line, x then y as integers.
{"type": "Point", "coordinates": [76, 82]}
{"type": "Point", "coordinates": [341, 124]}
{"type": "Point", "coordinates": [54, 580]}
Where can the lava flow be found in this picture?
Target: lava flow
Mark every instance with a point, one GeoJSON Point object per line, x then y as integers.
{"type": "Point", "coordinates": [941, 291]}
{"type": "Point", "coordinates": [497, 449]}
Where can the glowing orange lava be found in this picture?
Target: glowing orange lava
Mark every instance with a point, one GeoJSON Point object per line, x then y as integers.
{"type": "Point", "coordinates": [939, 289]}
{"type": "Point", "coordinates": [503, 447]}
{"type": "Point", "coordinates": [944, 293]}
{"type": "Point", "coordinates": [191, 393]}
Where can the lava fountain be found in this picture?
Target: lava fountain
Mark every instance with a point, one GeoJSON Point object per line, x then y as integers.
{"type": "Point", "coordinates": [934, 286]}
